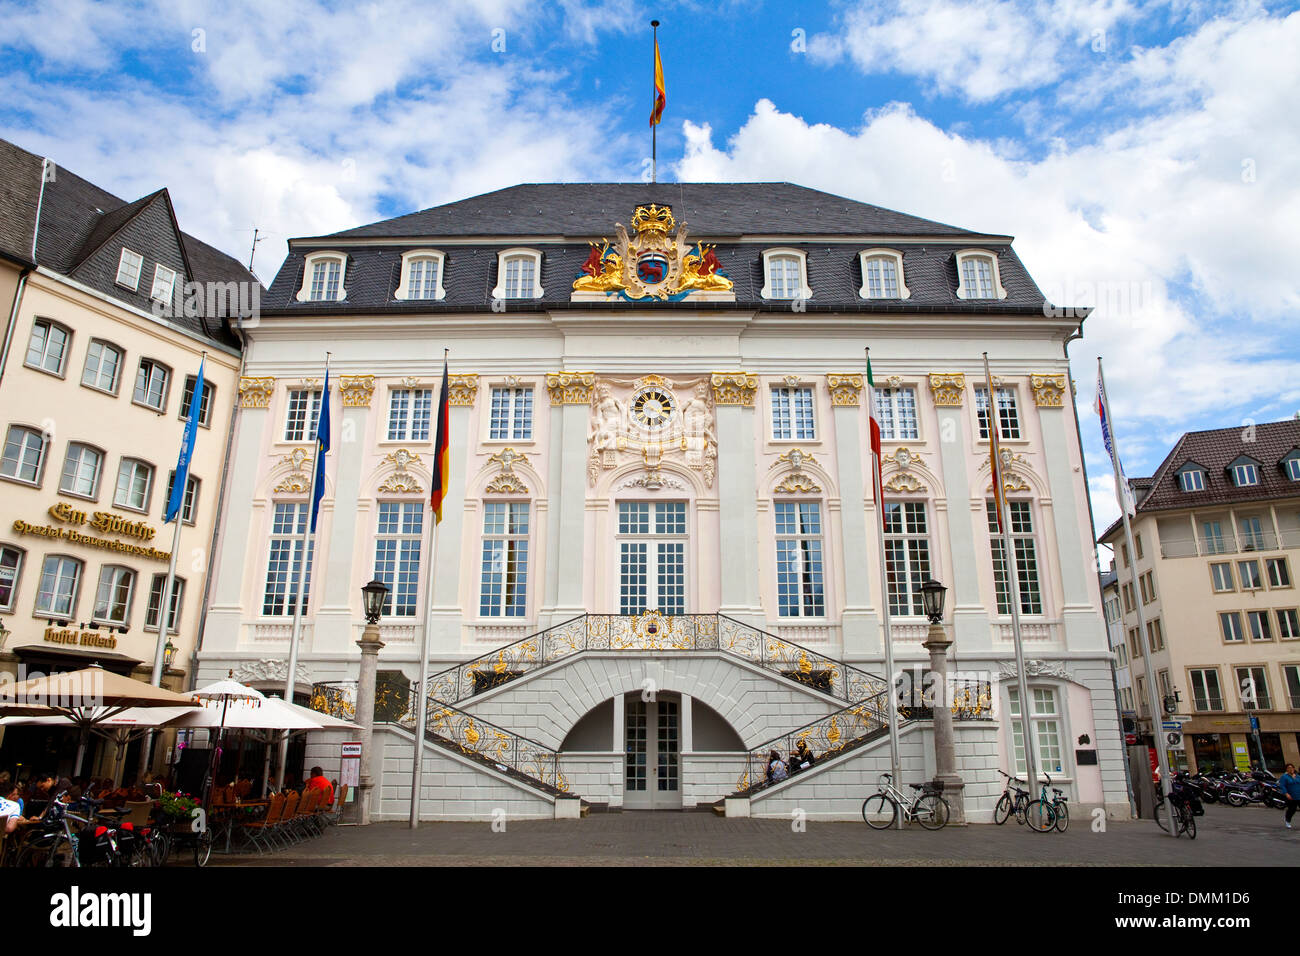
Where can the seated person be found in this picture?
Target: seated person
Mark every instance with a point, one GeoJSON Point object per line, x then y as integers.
{"type": "Point", "coordinates": [319, 781]}
{"type": "Point", "coordinates": [776, 769]}
{"type": "Point", "coordinates": [803, 757]}
{"type": "Point", "coordinates": [11, 806]}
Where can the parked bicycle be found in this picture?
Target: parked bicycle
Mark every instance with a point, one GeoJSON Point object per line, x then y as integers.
{"type": "Point", "coordinates": [1039, 815]}
{"type": "Point", "coordinates": [927, 807]}
{"type": "Point", "coordinates": [1184, 804]}
{"type": "Point", "coordinates": [1058, 804]}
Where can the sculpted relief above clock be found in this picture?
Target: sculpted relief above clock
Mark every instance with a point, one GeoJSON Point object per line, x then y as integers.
{"type": "Point", "coordinates": [652, 418]}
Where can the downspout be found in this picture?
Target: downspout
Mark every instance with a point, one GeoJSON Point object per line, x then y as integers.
{"type": "Point", "coordinates": [22, 278]}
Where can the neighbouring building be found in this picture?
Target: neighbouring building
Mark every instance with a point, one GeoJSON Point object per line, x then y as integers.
{"type": "Point", "coordinates": [1216, 529]}
{"type": "Point", "coordinates": [658, 555]}
{"type": "Point", "coordinates": [109, 308]}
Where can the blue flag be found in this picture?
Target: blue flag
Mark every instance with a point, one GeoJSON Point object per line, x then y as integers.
{"type": "Point", "coordinates": [322, 446]}
{"type": "Point", "coordinates": [181, 478]}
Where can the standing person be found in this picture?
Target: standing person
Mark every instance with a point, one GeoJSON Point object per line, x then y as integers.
{"type": "Point", "coordinates": [1289, 784]}
{"type": "Point", "coordinates": [319, 781]}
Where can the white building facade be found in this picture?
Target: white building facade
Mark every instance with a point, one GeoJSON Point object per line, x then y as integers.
{"type": "Point", "coordinates": [658, 557]}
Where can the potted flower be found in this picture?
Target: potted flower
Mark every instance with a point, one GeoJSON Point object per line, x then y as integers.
{"type": "Point", "coordinates": [176, 808]}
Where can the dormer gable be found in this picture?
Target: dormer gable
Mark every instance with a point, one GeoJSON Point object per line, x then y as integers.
{"type": "Point", "coordinates": [1192, 476]}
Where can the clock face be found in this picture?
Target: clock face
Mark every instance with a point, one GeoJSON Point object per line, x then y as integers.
{"type": "Point", "coordinates": [652, 408]}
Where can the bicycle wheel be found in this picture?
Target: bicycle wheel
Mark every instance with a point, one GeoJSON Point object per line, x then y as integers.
{"type": "Point", "coordinates": [1003, 810]}
{"type": "Point", "coordinates": [203, 847]}
{"type": "Point", "coordinates": [1039, 816]}
{"type": "Point", "coordinates": [1189, 824]}
{"type": "Point", "coordinates": [1162, 818]}
{"type": "Point", "coordinates": [931, 811]}
{"type": "Point", "coordinates": [1062, 816]}
{"type": "Point", "coordinates": [879, 811]}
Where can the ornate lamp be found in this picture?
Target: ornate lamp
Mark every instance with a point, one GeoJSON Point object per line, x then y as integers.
{"type": "Point", "coordinates": [932, 593]}
{"type": "Point", "coordinates": [169, 654]}
{"type": "Point", "coordinates": [372, 599]}
{"type": "Point", "coordinates": [4, 635]}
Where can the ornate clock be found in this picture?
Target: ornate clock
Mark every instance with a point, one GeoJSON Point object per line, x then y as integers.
{"type": "Point", "coordinates": [652, 408]}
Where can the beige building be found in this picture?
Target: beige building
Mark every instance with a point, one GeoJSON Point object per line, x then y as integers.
{"type": "Point", "coordinates": [1216, 536]}
{"type": "Point", "coordinates": [107, 318]}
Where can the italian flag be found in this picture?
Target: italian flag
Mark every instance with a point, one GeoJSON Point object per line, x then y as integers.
{"type": "Point", "coordinates": [875, 434]}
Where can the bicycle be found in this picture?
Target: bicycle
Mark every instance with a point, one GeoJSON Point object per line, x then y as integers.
{"type": "Point", "coordinates": [1039, 815]}
{"type": "Point", "coordinates": [1058, 804]}
{"type": "Point", "coordinates": [928, 807]}
{"type": "Point", "coordinates": [1184, 819]}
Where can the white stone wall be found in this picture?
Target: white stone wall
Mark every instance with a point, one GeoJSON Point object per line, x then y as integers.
{"type": "Point", "coordinates": [708, 777]}
{"type": "Point", "coordinates": [596, 777]}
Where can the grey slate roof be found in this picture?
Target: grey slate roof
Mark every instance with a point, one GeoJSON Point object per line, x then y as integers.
{"type": "Point", "coordinates": [728, 213]}
{"type": "Point", "coordinates": [83, 229]}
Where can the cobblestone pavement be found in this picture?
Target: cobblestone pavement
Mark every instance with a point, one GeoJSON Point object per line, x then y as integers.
{"type": "Point", "coordinates": [1246, 836]}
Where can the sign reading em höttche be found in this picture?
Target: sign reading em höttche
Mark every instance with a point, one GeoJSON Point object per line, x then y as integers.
{"type": "Point", "coordinates": [104, 522]}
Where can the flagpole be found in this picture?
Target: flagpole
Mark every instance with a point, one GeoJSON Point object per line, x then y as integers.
{"type": "Point", "coordinates": [1143, 638]}
{"type": "Point", "coordinates": [1013, 576]}
{"type": "Point", "coordinates": [891, 688]}
{"type": "Point", "coordinates": [421, 695]}
{"type": "Point", "coordinates": [296, 635]}
{"type": "Point", "coordinates": [654, 100]}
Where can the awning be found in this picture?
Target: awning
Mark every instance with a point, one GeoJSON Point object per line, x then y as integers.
{"type": "Point", "coordinates": [67, 658]}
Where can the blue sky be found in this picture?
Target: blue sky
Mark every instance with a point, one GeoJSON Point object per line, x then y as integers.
{"type": "Point", "coordinates": [1146, 155]}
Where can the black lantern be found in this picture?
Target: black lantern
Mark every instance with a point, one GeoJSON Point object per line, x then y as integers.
{"type": "Point", "coordinates": [4, 634]}
{"type": "Point", "coordinates": [169, 654]}
{"type": "Point", "coordinates": [372, 599]}
{"type": "Point", "coordinates": [932, 593]}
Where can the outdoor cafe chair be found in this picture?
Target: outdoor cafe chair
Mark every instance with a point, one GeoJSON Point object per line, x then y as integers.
{"type": "Point", "coordinates": [284, 830]}
{"type": "Point", "coordinates": [259, 831]}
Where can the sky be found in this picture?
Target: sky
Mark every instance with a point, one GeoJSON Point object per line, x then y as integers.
{"type": "Point", "coordinates": [1145, 155]}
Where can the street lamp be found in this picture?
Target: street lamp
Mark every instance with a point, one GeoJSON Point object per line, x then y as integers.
{"type": "Point", "coordinates": [932, 593]}
{"type": "Point", "coordinates": [169, 654]}
{"type": "Point", "coordinates": [4, 635]}
{"type": "Point", "coordinates": [937, 643]}
{"type": "Point", "coordinates": [372, 599]}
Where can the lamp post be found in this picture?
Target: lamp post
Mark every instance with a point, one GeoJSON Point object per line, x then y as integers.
{"type": "Point", "coordinates": [937, 643]}
{"type": "Point", "coordinates": [169, 654]}
{"type": "Point", "coordinates": [372, 600]}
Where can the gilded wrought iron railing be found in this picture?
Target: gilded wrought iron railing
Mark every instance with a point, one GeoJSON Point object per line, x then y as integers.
{"type": "Point", "coordinates": [825, 737]}
{"type": "Point", "coordinates": [653, 631]}
{"type": "Point", "coordinates": [335, 698]}
{"type": "Point", "coordinates": [489, 744]}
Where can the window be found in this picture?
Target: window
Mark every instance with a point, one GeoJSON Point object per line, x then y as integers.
{"type": "Point", "coordinates": [1258, 623]}
{"type": "Point", "coordinates": [1252, 682]}
{"type": "Point", "coordinates": [128, 269]}
{"type": "Point", "coordinates": [1137, 546]}
{"type": "Point", "coordinates": [285, 563]}
{"type": "Point", "coordinates": [303, 415]}
{"type": "Point", "coordinates": [1148, 583]}
{"type": "Point", "coordinates": [1193, 480]}
{"type": "Point", "coordinates": [1214, 540]}
{"type": "Point", "coordinates": [151, 385]}
{"type": "Point", "coordinates": [1206, 694]}
{"type": "Point", "coordinates": [1221, 575]}
{"type": "Point", "coordinates": [1249, 573]}
{"type": "Point", "coordinates": [800, 586]}
{"type": "Point", "coordinates": [134, 482]}
{"type": "Point", "coordinates": [57, 593]}
{"type": "Point", "coordinates": [11, 566]}
{"type": "Point", "coordinates": [977, 275]}
{"type": "Point", "coordinates": [1126, 590]}
{"type": "Point", "coordinates": [652, 556]}
{"type": "Point", "coordinates": [1155, 636]}
{"type": "Point", "coordinates": [1142, 694]}
{"type": "Point", "coordinates": [1026, 550]}
{"type": "Point", "coordinates": [504, 590]}
{"type": "Point", "coordinates": [164, 283]}
{"type": "Point", "coordinates": [205, 403]}
{"type": "Point", "coordinates": [1291, 672]}
{"type": "Point", "coordinates": [24, 455]}
{"type": "Point", "coordinates": [1252, 534]}
{"type": "Point", "coordinates": [397, 554]}
{"type": "Point", "coordinates": [511, 414]}
{"type": "Point", "coordinates": [784, 271]}
{"type": "Point", "coordinates": [897, 410]}
{"type": "Point", "coordinates": [1293, 468]}
{"type": "Point", "coordinates": [81, 469]}
{"type": "Point", "coordinates": [518, 274]}
{"type": "Point", "coordinates": [189, 502]}
{"type": "Point", "coordinates": [1245, 474]}
{"type": "Point", "coordinates": [1230, 625]}
{"type": "Point", "coordinates": [155, 602]}
{"type": "Point", "coordinates": [103, 363]}
{"type": "Point", "coordinates": [48, 347]}
{"type": "Point", "coordinates": [1045, 725]}
{"type": "Point", "coordinates": [409, 410]}
{"type": "Point", "coordinates": [421, 276]}
{"type": "Point", "coordinates": [882, 275]}
{"type": "Point", "coordinates": [792, 414]}
{"type": "Point", "coordinates": [1008, 415]}
{"type": "Point", "coordinates": [1279, 575]}
{"type": "Point", "coordinates": [1123, 553]}
{"type": "Point", "coordinates": [322, 278]}
{"type": "Point", "coordinates": [907, 556]}
{"type": "Point", "coordinates": [1288, 624]}
{"type": "Point", "coordinates": [1135, 649]}
{"type": "Point", "coordinates": [1121, 655]}
{"type": "Point", "coordinates": [113, 597]}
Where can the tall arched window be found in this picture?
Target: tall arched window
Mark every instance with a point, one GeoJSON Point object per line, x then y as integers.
{"type": "Point", "coordinates": [800, 559]}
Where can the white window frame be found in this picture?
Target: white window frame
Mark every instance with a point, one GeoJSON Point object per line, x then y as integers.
{"type": "Point", "coordinates": [1034, 595]}
{"type": "Point", "coordinates": [1231, 580]}
{"type": "Point", "coordinates": [189, 501]}
{"type": "Point", "coordinates": [63, 562]}
{"type": "Point", "coordinates": [1291, 466]}
{"type": "Point", "coordinates": [1267, 695]}
{"type": "Point", "coordinates": [495, 601]}
{"type": "Point", "coordinates": [403, 292]}
{"type": "Point", "coordinates": [156, 586]}
{"type": "Point", "coordinates": [154, 365]}
{"type": "Point", "coordinates": [1288, 623]}
{"type": "Point", "coordinates": [1210, 701]}
{"type": "Point", "coordinates": [963, 291]}
{"type": "Point", "coordinates": [309, 269]}
{"type": "Point", "coordinates": [1245, 470]}
{"type": "Point", "coordinates": [407, 548]}
{"type": "Point", "coordinates": [1014, 392]}
{"type": "Point", "coordinates": [518, 252]}
{"type": "Point", "coordinates": [652, 538]}
{"type": "Point", "coordinates": [1036, 718]}
{"type": "Point", "coordinates": [311, 415]}
{"type": "Point", "coordinates": [518, 426]}
{"type": "Point", "coordinates": [1290, 678]}
{"type": "Point", "coordinates": [281, 598]}
{"type": "Point", "coordinates": [164, 282]}
{"type": "Point", "coordinates": [16, 577]}
{"type": "Point", "coordinates": [23, 446]}
{"type": "Point", "coordinates": [400, 427]}
{"type": "Point", "coordinates": [805, 292]}
{"type": "Point", "coordinates": [1238, 631]}
{"type": "Point", "coordinates": [93, 494]}
{"type": "Point", "coordinates": [104, 346]}
{"type": "Point", "coordinates": [135, 464]}
{"type": "Point", "coordinates": [50, 326]}
{"type": "Point", "coordinates": [917, 564]}
{"type": "Point", "coordinates": [893, 255]}
{"type": "Point", "coordinates": [205, 403]}
{"type": "Point", "coordinates": [799, 536]}
{"type": "Point", "coordinates": [133, 272]}
{"type": "Point", "coordinates": [110, 578]}
{"type": "Point", "coordinates": [890, 420]}
{"type": "Point", "coordinates": [1189, 486]}
{"type": "Point", "coordinates": [1270, 566]}
{"type": "Point", "coordinates": [793, 391]}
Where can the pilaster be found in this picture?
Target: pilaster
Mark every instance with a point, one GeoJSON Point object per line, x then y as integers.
{"type": "Point", "coordinates": [860, 621]}
{"type": "Point", "coordinates": [733, 394]}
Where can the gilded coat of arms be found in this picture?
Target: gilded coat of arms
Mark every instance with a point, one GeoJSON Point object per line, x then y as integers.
{"type": "Point", "coordinates": [653, 264]}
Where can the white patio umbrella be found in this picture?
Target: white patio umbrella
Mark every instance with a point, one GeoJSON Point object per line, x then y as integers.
{"type": "Point", "coordinates": [121, 728]}
{"type": "Point", "coordinates": [224, 691]}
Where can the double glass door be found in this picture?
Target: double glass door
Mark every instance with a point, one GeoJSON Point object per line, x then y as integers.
{"type": "Point", "coordinates": [652, 753]}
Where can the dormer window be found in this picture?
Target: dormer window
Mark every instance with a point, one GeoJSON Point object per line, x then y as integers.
{"type": "Point", "coordinates": [421, 275]}
{"type": "Point", "coordinates": [978, 278]}
{"type": "Point", "coordinates": [1244, 471]}
{"type": "Point", "coordinates": [786, 272]}
{"type": "Point", "coordinates": [519, 274]}
{"type": "Point", "coordinates": [1191, 477]}
{"type": "Point", "coordinates": [323, 275]}
{"type": "Point", "coordinates": [1291, 464]}
{"type": "Point", "coordinates": [128, 269]}
{"type": "Point", "coordinates": [164, 283]}
{"type": "Point", "coordinates": [882, 275]}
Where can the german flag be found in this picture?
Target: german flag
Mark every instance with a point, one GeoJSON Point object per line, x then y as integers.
{"type": "Point", "coordinates": [661, 95]}
{"type": "Point", "coordinates": [440, 456]}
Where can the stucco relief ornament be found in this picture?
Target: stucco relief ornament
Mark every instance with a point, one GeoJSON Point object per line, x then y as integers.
{"type": "Point", "coordinates": [903, 481]}
{"type": "Point", "coordinates": [255, 392]}
{"type": "Point", "coordinates": [651, 421]}
{"type": "Point", "coordinates": [1033, 668]}
{"type": "Point", "coordinates": [401, 481]}
{"type": "Point", "coordinates": [507, 482]}
{"type": "Point", "coordinates": [651, 264]}
{"type": "Point", "coordinates": [298, 481]}
{"type": "Point", "coordinates": [269, 669]}
{"type": "Point", "coordinates": [357, 390]}
{"type": "Point", "coordinates": [796, 482]}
